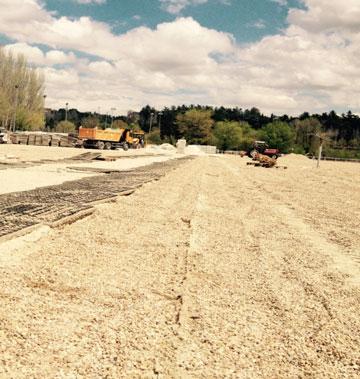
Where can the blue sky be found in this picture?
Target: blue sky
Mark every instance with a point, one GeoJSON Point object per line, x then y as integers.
{"type": "Point", "coordinates": [282, 56]}
{"type": "Point", "coordinates": [246, 20]}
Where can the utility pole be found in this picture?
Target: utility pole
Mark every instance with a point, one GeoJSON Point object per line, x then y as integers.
{"type": "Point", "coordinates": [106, 117]}
{"type": "Point", "coordinates": [66, 111]}
{"type": "Point", "coordinates": [15, 107]}
{"type": "Point", "coordinates": [321, 142]}
{"type": "Point", "coordinates": [44, 96]}
{"type": "Point", "coordinates": [320, 151]}
{"type": "Point", "coordinates": [160, 114]}
{"type": "Point", "coordinates": [151, 121]}
{"type": "Point", "coordinates": [112, 116]}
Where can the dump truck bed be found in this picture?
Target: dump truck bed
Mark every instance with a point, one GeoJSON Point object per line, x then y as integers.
{"type": "Point", "coordinates": [101, 135]}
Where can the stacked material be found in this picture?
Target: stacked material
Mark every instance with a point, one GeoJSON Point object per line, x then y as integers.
{"type": "Point", "coordinates": [194, 150]}
{"type": "Point", "coordinates": [43, 139]}
{"type": "Point", "coordinates": [200, 149]}
{"type": "Point", "coordinates": [19, 139]}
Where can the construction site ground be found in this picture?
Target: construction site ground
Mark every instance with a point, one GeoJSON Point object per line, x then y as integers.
{"type": "Point", "coordinates": [215, 270]}
{"type": "Point", "coordinates": [24, 168]}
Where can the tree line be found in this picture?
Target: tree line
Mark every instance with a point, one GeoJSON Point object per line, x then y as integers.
{"type": "Point", "coordinates": [236, 129]}
{"type": "Point", "coordinates": [227, 128]}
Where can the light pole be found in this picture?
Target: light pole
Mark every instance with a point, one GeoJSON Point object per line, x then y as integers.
{"type": "Point", "coordinates": [151, 121]}
{"type": "Point", "coordinates": [44, 96]}
{"type": "Point", "coordinates": [160, 114]}
{"type": "Point", "coordinates": [106, 117]}
{"type": "Point", "coordinates": [66, 111]}
{"type": "Point", "coordinates": [112, 116]}
{"type": "Point", "coordinates": [15, 107]}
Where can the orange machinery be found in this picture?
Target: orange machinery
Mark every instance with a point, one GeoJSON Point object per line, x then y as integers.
{"type": "Point", "coordinates": [108, 138]}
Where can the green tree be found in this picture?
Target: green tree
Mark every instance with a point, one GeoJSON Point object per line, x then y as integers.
{"type": "Point", "coordinates": [154, 137]}
{"type": "Point", "coordinates": [26, 120]}
{"type": "Point", "coordinates": [279, 135]}
{"type": "Point", "coordinates": [304, 134]}
{"type": "Point", "coordinates": [228, 135]}
{"type": "Point", "coordinates": [120, 124]}
{"type": "Point", "coordinates": [249, 135]}
{"type": "Point", "coordinates": [65, 127]}
{"type": "Point", "coordinates": [195, 125]}
{"type": "Point", "coordinates": [90, 122]}
{"type": "Point", "coordinates": [134, 126]}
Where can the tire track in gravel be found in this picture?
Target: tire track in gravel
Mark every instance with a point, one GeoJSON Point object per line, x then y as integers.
{"type": "Point", "coordinates": [102, 295]}
{"type": "Point", "coordinates": [261, 303]}
{"type": "Point", "coordinates": [320, 292]}
{"type": "Point", "coordinates": [345, 259]}
{"type": "Point", "coordinates": [202, 274]}
{"type": "Point", "coordinates": [311, 193]}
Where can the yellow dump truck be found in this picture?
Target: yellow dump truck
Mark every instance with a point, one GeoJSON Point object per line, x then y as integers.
{"type": "Point", "coordinates": [108, 139]}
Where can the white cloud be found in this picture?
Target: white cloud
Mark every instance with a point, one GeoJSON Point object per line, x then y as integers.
{"type": "Point", "coordinates": [27, 21]}
{"type": "Point", "coordinates": [54, 57]}
{"type": "Point", "coordinates": [91, 1]}
{"type": "Point", "coordinates": [324, 15]}
{"type": "Point", "coordinates": [259, 24]}
{"type": "Point", "coordinates": [38, 57]}
{"type": "Point", "coordinates": [312, 65]}
{"type": "Point", "coordinates": [176, 6]}
{"type": "Point", "coordinates": [33, 54]}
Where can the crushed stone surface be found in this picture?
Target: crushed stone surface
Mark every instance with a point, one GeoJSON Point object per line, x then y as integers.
{"type": "Point", "coordinates": [36, 175]}
{"type": "Point", "coordinates": [217, 270]}
{"type": "Point", "coordinates": [38, 153]}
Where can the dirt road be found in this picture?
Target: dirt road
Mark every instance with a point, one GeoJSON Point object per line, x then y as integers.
{"type": "Point", "coordinates": [218, 270]}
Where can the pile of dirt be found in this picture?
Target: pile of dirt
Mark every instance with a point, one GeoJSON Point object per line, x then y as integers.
{"type": "Point", "coordinates": [298, 160]}
{"type": "Point", "coordinates": [297, 157]}
{"type": "Point", "coordinates": [168, 147]}
{"type": "Point", "coordinates": [193, 150]}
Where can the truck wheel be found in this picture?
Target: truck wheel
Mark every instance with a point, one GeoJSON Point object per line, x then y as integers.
{"type": "Point", "coordinates": [107, 146]}
{"type": "Point", "coordinates": [125, 146]}
{"type": "Point", "coordinates": [274, 156]}
{"type": "Point", "coordinates": [100, 145]}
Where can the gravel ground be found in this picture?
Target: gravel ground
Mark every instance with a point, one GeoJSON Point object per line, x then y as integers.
{"type": "Point", "coordinates": [38, 153]}
{"type": "Point", "coordinates": [218, 270]}
{"type": "Point", "coordinates": [14, 177]}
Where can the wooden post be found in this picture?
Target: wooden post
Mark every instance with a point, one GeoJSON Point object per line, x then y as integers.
{"type": "Point", "coordinates": [320, 152]}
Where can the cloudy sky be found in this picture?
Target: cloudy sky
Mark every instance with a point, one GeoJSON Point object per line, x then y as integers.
{"type": "Point", "coordinates": [282, 56]}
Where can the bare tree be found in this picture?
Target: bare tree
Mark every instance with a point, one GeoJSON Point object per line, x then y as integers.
{"type": "Point", "coordinates": [21, 92]}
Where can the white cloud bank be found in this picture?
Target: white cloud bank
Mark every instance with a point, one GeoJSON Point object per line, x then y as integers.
{"type": "Point", "coordinates": [312, 65]}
